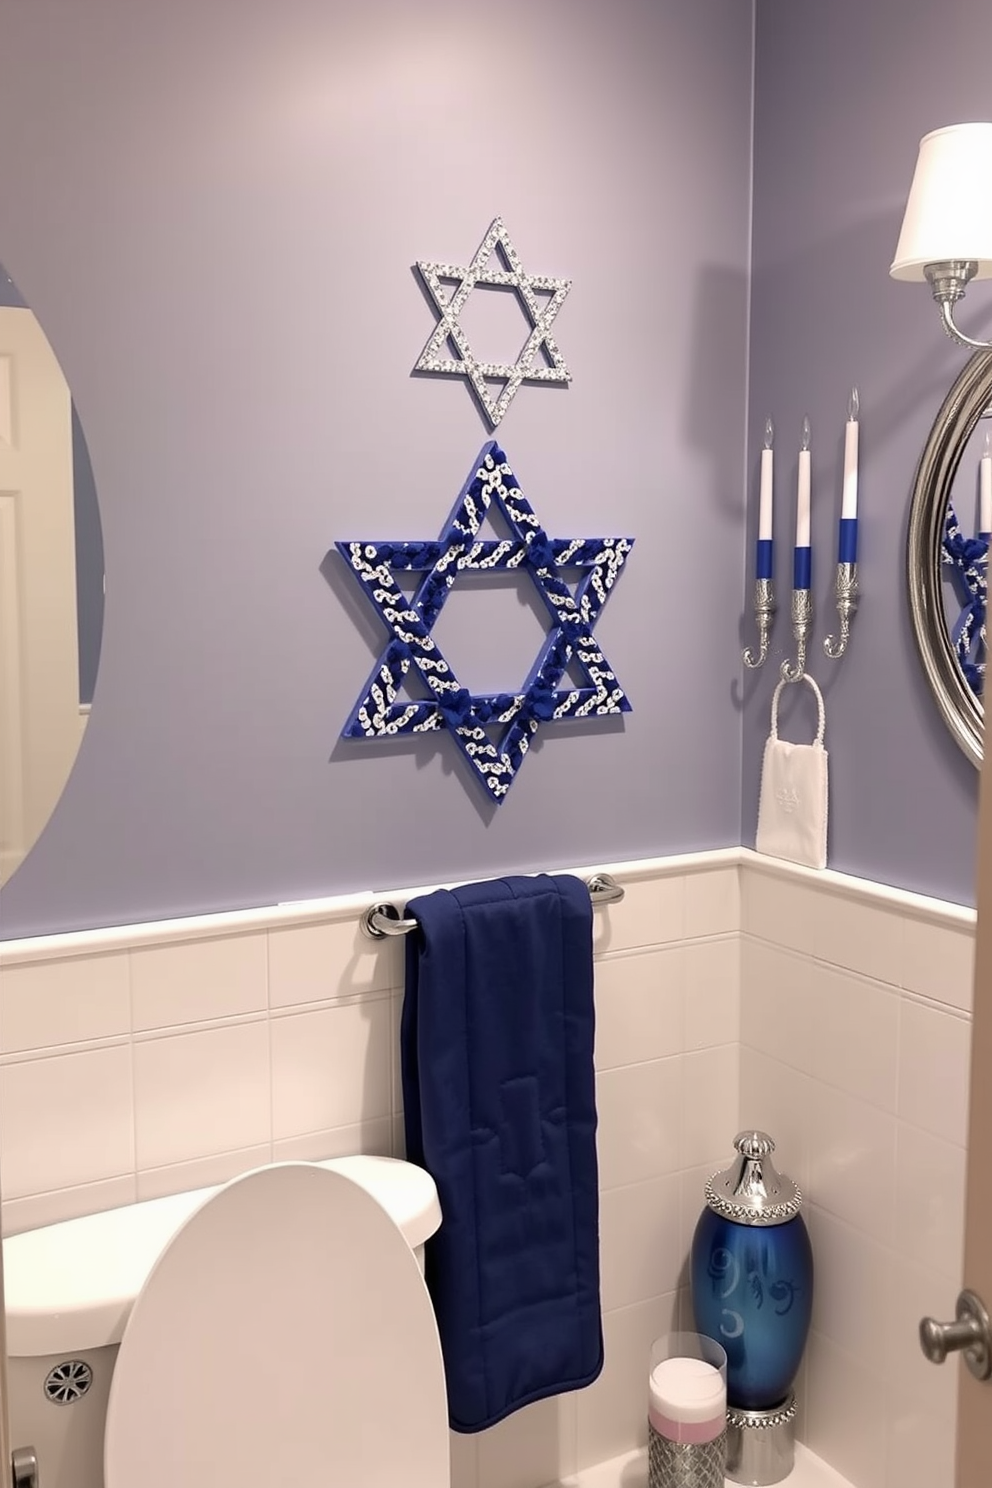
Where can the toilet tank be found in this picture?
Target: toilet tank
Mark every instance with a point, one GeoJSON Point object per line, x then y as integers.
{"type": "Point", "coordinates": [70, 1288]}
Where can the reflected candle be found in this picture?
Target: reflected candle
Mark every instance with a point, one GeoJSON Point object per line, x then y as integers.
{"type": "Point", "coordinates": [687, 1400]}
{"type": "Point", "coordinates": [985, 491]}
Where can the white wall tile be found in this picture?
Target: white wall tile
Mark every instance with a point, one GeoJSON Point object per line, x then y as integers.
{"type": "Point", "coordinates": [851, 1304]}
{"type": "Point", "coordinates": [37, 1210]}
{"type": "Point", "coordinates": [651, 912]}
{"type": "Point", "coordinates": [852, 1160]}
{"type": "Point", "coordinates": [774, 1098]}
{"type": "Point", "coordinates": [316, 963]}
{"type": "Point", "coordinates": [66, 1120]}
{"type": "Point", "coordinates": [921, 1443]}
{"type": "Point", "coordinates": [778, 910]}
{"type": "Point", "coordinates": [845, 1415]}
{"type": "Point", "coordinates": [938, 961]}
{"type": "Point", "coordinates": [375, 1138]}
{"type": "Point", "coordinates": [860, 936]}
{"type": "Point", "coordinates": [640, 1122]}
{"type": "Point", "coordinates": [198, 981]}
{"type": "Point", "coordinates": [693, 1183]}
{"type": "Point", "coordinates": [712, 902]}
{"type": "Point", "coordinates": [934, 1053]}
{"type": "Point", "coordinates": [930, 1190]}
{"type": "Point", "coordinates": [613, 1413]}
{"type": "Point", "coordinates": [331, 1067]}
{"type": "Point", "coordinates": [196, 1094]}
{"type": "Point", "coordinates": [640, 1241]}
{"type": "Point", "coordinates": [854, 1035]}
{"type": "Point", "coordinates": [639, 1007]}
{"type": "Point", "coordinates": [916, 1292]}
{"type": "Point", "coordinates": [395, 1060]}
{"type": "Point", "coordinates": [533, 1446]}
{"type": "Point", "coordinates": [711, 1104]}
{"type": "Point", "coordinates": [775, 1002]}
{"type": "Point", "coordinates": [64, 1002]}
{"type": "Point", "coordinates": [202, 1172]}
{"type": "Point", "coordinates": [712, 992]}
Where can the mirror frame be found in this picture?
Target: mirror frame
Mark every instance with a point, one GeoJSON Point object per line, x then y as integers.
{"type": "Point", "coordinates": [970, 395]}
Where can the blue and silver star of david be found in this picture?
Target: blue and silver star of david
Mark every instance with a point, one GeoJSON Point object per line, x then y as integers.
{"type": "Point", "coordinates": [539, 361]}
{"type": "Point", "coordinates": [493, 730]}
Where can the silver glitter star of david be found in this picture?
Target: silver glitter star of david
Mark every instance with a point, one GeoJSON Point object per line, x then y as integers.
{"type": "Point", "coordinates": [493, 730]}
{"type": "Point", "coordinates": [539, 361]}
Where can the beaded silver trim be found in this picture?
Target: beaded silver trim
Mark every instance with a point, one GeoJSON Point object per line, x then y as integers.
{"type": "Point", "coordinates": [744, 1214]}
{"type": "Point", "coordinates": [496, 263]}
{"type": "Point", "coordinates": [744, 1420]}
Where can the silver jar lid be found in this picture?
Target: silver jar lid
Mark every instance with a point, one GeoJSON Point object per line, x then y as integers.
{"type": "Point", "coordinates": [751, 1191]}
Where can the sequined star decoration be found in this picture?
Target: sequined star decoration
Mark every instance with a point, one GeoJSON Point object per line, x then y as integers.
{"type": "Point", "coordinates": [540, 299]}
{"type": "Point", "coordinates": [493, 730]}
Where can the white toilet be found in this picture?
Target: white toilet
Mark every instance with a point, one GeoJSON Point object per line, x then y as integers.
{"type": "Point", "coordinates": [274, 1331]}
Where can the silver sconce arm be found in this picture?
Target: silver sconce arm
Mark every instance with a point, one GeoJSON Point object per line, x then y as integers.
{"type": "Point", "coordinates": [802, 619]}
{"type": "Point", "coordinates": [847, 604]}
{"type": "Point", "coordinates": [947, 283]}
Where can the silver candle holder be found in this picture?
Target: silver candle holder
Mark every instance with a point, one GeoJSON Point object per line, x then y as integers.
{"type": "Point", "coordinates": [846, 587]}
{"type": "Point", "coordinates": [764, 594]}
{"type": "Point", "coordinates": [802, 621]}
{"type": "Point", "coordinates": [764, 613]}
{"type": "Point", "coordinates": [847, 603]}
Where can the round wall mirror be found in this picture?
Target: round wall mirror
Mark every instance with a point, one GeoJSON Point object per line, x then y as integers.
{"type": "Point", "coordinates": [51, 580]}
{"type": "Point", "coordinates": [947, 553]}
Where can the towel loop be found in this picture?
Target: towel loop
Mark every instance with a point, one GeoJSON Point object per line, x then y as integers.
{"type": "Point", "coordinates": [383, 920]}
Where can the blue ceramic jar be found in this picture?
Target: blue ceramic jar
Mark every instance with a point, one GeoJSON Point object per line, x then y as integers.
{"type": "Point", "coordinates": [752, 1275]}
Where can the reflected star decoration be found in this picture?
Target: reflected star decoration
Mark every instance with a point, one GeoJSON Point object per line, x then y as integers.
{"type": "Point", "coordinates": [539, 360]}
{"type": "Point", "coordinates": [493, 730]}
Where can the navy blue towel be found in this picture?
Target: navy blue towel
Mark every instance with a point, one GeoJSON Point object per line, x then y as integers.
{"type": "Point", "coordinates": [499, 1098]}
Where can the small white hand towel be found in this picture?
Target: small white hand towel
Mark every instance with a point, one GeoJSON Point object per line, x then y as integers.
{"type": "Point", "coordinates": [792, 806]}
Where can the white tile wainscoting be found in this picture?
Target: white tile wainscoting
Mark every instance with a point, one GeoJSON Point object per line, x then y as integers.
{"type": "Point", "coordinates": [731, 990]}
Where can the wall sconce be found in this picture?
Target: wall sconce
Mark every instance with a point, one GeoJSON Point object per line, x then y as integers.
{"type": "Point", "coordinates": [946, 235]}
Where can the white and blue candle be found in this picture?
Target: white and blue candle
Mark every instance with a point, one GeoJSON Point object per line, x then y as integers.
{"type": "Point", "coordinates": [802, 566]}
{"type": "Point", "coordinates": [765, 556]}
{"type": "Point", "coordinates": [985, 492]}
{"type": "Point", "coordinates": [847, 546]}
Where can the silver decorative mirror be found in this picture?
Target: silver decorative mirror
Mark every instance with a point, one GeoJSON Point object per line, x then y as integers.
{"type": "Point", "coordinates": [947, 556]}
{"type": "Point", "coordinates": [51, 581]}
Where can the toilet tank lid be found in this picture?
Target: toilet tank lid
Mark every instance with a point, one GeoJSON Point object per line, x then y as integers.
{"type": "Point", "coordinates": [71, 1286]}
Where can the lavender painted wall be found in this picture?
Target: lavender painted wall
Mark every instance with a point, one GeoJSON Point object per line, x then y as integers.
{"type": "Point", "coordinates": [843, 94]}
{"type": "Point", "coordinates": [213, 209]}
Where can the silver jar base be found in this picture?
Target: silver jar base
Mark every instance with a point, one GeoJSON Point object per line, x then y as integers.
{"type": "Point", "coordinates": [761, 1445]}
{"type": "Point", "coordinates": [683, 1464]}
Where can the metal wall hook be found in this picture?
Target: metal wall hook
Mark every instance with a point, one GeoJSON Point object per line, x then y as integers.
{"type": "Point", "coordinates": [764, 613]}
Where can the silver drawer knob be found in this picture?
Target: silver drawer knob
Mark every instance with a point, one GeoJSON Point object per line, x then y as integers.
{"type": "Point", "coordinates": [969, 1332]}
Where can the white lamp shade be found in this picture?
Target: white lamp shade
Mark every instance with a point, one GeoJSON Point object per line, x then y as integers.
{"type": "Point", "coordinates": [949, 212]}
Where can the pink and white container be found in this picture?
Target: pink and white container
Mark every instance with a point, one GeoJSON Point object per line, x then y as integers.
{"type": "Point", "coordinates": [687, 1412]}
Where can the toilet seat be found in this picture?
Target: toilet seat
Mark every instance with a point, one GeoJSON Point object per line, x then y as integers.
{"type": "Point", "coordinates": [285, 1335]}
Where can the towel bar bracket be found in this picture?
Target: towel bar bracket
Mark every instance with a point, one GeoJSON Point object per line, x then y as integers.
{"type": "Point", "coordinates": [383, 920]}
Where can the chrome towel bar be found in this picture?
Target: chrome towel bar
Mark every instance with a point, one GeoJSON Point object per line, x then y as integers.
{"type": "Point", "coordinates": [384, 919]}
